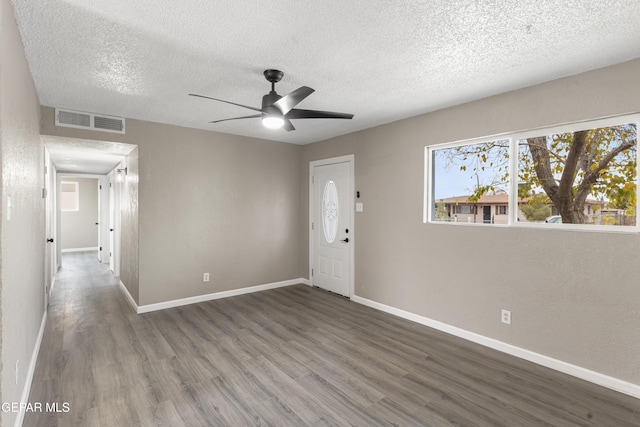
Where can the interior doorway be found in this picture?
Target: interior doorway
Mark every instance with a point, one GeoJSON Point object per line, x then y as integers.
{"type": "Point", "coordinates": [79, 213]}
{"type": "Point", "coordinates": [103, 162]}
{"type": "Point", "coordinates": [114, 226]}
{"type": "Point", "coordinates": [48, 194]}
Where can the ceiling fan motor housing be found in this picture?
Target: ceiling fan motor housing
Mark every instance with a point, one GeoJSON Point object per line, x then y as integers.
{"type": "Point", "coordinates": [269, 99]}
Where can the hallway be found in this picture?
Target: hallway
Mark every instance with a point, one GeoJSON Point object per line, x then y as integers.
{"type": "Point", "coordinates": [80, 344]}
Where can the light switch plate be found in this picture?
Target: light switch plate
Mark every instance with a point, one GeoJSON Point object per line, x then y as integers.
{"type": "Point", "coordinates": [359, 207]}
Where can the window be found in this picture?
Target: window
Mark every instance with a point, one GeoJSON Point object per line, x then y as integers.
{"type": "Point", "coordinates": [330, 212]}
{"type": "Point", "coordinates": [467, 178]}
{"type": "Point", "coordinates": [464, 209]}
{"type": "Point", "coordinates": [69, 196]}
{"type": "Point", "coordinates": [588, 174]}
{"type": "Point", "coordinates": [580, 176]}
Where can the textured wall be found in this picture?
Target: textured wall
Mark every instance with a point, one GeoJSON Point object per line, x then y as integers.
{"type": "Point", "coordinates": [573, 295]}
{"type": "Point", "coordinates": [23, 240]}
{"type": "Point", "coordinates": [129, 227]}
{"type": "Point", "coordinates": [79, 229]}
{"type": "Point", "coordinates": [216, 203]}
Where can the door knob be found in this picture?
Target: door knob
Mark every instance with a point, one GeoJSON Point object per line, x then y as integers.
{"type": "Point", "coordinates": [50, 240]}
{"type": "Point", "coordinates": [345, 240]}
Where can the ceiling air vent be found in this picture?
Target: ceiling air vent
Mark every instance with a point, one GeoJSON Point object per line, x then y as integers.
{"type": "Point", "coordinates": [82, 120]}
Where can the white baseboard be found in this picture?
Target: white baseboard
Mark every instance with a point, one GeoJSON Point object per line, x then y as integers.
{"type": "Point", "coordinates": [128, 296]}
{"type": "Point", "coordinates": [216, 295]}
{"type": "Point", "coordinates": [53, 283]}
{"type": "Point", "coordinates": [549, 362]}
{"type": "Point", "coordinates": [32, 367]}
{"type": "Point", "coordinates": [79, 249]}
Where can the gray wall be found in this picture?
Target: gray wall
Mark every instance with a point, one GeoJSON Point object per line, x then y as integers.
{"type": "Point", "coordinates": [208, 202]}
{"type": "Point", "coordinates": [574, 296]}
{"type": "Point", "coordinates": [215, 203]}
{"type": "Point", "coordinates": [129, 259]}
{"type": "Point", "coordinates": [79, 229]}
{"type": "Point", "coordinates": [23, 240]}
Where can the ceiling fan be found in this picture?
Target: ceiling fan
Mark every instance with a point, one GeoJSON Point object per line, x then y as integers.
{"type": "Point", "coordinates": [278, 111]}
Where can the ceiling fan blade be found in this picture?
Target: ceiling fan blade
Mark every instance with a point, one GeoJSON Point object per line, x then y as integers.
{"type": "Point", "coordinates": [287, 102]}
{"type": "Point", "coordinates": [228, 102]}
{"type": "Point", "coordinates": [315, 114]}
{"type": "Point", "coordinates": [237, 118]}
{"type": "Point", "coordinates": [288, 126]}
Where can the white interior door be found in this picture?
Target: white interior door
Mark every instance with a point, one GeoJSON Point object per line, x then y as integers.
{"type": "Point", "coordinates": [103, 219]}
{"type": "Point", "coordinates": [112, 223]}
{"type": "Point", "coordinates": [47, 194]}
{"type": "Point", "coordinates": [99, 220]}
{"type": "Point", "coordinates": [332, 226]}
{"type": "Point", "coordinates": [115, 194]}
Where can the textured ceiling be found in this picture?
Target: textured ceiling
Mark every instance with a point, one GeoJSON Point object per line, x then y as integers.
{"type": "Point", "coordinates": [381, 61]}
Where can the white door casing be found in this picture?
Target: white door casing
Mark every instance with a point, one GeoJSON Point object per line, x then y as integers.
{"type": "Point", "coordinates": [115, 217]}
{"type": "Point", "coordinates": [332, 231]}
{"type": "Point", "coordinates": [112, 222]}
{"type": "Point", "coordinates": [49, 227]}
{"type": "Point", "coordinates": [104, 214]}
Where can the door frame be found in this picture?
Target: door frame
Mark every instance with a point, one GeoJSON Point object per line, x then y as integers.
{"type": "Point", "coordinates": [61, 176]}
{"type": "Point", "coordinates": [115, 193]}
{"type": "Point", "coordinates": [103, 219]}
{"type": "Point", "coordinates": [349, 158]}
{"type": "Point", "coordinates": [50, 252]}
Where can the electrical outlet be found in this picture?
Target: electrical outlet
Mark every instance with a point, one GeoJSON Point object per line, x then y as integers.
{"type": "Point", "coordinates": [506, 317]}
{"type": "Point", "coordinates": [205, 277]}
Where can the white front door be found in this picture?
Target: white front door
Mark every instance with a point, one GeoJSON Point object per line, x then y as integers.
{"type": "Point", "coordinates": [332, 226]}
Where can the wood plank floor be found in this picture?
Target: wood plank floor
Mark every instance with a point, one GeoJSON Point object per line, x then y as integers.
{"type": "Point", "coordinates": [289, 356]}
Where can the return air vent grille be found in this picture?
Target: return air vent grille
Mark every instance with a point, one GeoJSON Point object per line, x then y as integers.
{"type": "Point", "coordinates": [107, 123]}
{"type": "Point", "coordinates": [82, 120]}
{"type": "Point", "coordinates": [75, 119]}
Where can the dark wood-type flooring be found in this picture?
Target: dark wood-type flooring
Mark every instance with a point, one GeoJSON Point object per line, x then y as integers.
{"type": "Point", "coordinates": [289, 356]}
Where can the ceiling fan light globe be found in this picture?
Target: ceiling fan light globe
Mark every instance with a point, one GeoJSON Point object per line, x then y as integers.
{"type": "Point", "coordinates": [272, 122]}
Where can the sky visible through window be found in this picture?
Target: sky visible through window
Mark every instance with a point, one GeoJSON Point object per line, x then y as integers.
{"type": "Point", "coordinates": [459, 171]}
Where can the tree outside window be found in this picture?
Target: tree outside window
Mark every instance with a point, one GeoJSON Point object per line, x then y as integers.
{"type": "Point", "coordinates": [582, 174]}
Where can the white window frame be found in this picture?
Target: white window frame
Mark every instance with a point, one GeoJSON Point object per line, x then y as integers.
{"type": "Point", "coordinates": [428, 189]}
{"type": "Point", "coordinates": [512, 207]}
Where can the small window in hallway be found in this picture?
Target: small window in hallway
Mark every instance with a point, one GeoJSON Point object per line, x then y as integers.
{"type": "Point", "coordinates": [69, 196]}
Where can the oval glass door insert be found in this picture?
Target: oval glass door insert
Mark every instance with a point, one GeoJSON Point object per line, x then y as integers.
{"type": "Point", "coordinates": [330, 212]}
